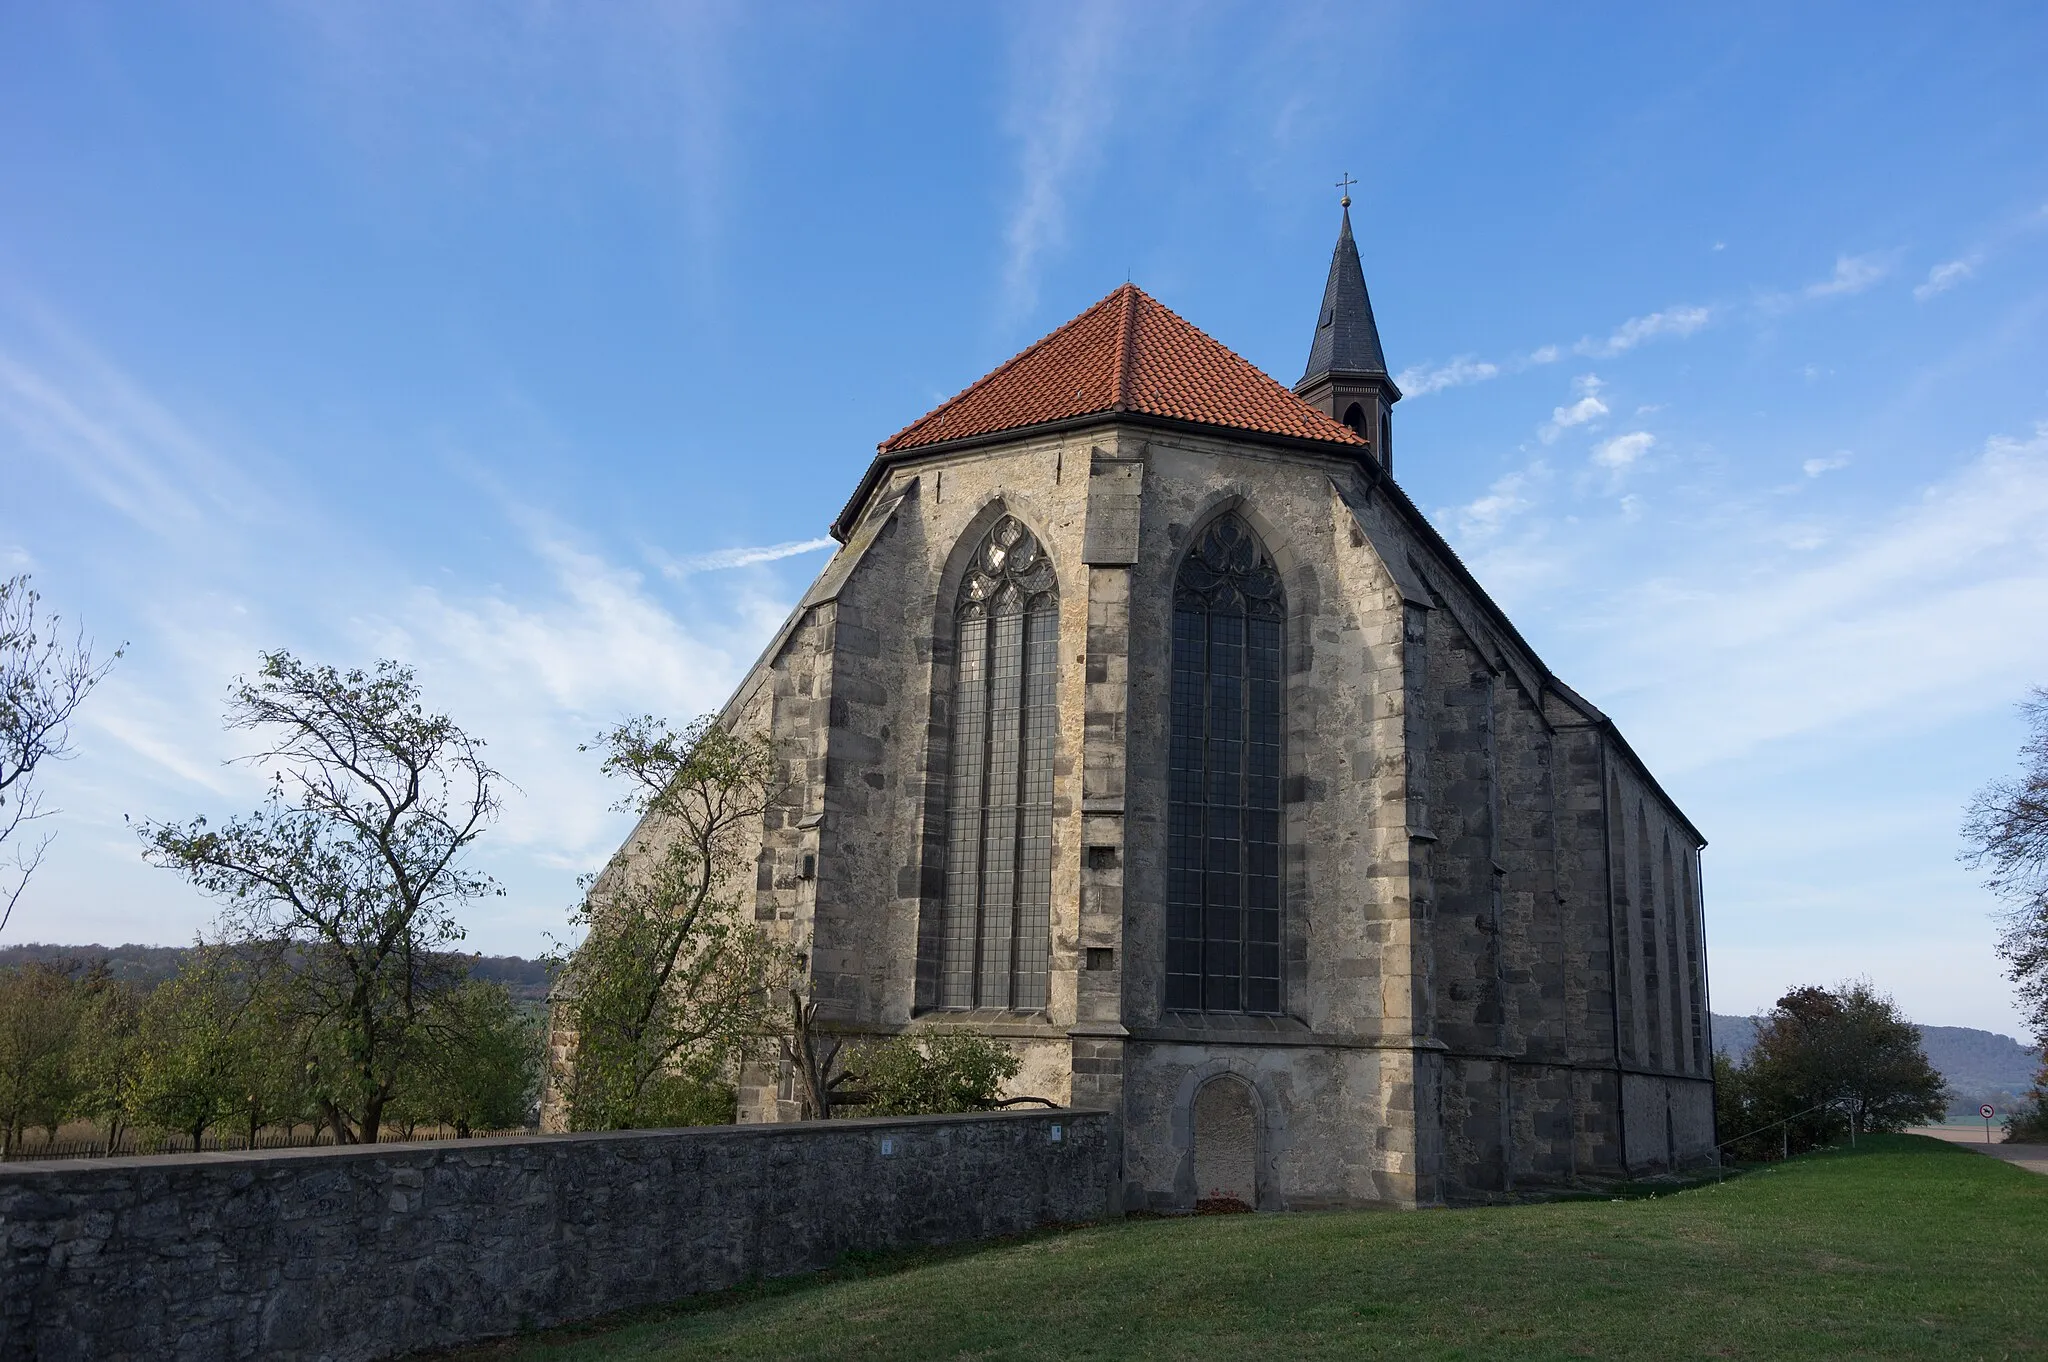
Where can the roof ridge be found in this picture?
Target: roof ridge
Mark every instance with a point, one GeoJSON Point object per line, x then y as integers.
{"type": "Point", "coordinates": [1126, 354]}
{"type": "Point", "coordinates": [1127, 346]}
{"type": "Point", "coordinates": [1012, 362]}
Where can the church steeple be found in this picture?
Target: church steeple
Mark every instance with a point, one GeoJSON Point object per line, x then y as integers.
{"type": "Point", "coordinates": [1347, 375]}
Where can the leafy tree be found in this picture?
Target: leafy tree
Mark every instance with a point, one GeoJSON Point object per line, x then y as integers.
{"type": "Point", "coordinates": [189, 1058]}
{"type": "Point", "coordinates": [1824, 1057]}
{"type": "Point", "coordinates": [105, 1052]}
{"type": "Point", "coordinates": [43, 681]}
{"type": "Point", "coordinates": [928, 1072]}
{"type": "Point", "coordinates": [270, 1046]}
{"type": "Point", "coordinates": [671, 984]}
{"type": "Point", "coordinates": [2007, 831]}
{"type": "Point", "coordinates": [479, 1066]}
{"type": "Point", "coordinates": [347, 882]}
{"type": "Point", "coordinates": [2029, 1125]}
{"type": "Point", "coordinates": [39, 1016]}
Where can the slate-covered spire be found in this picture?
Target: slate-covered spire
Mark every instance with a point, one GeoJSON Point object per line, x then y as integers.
{"type": "Point", "coordinates": [1347, 340]}
{"type": "Point", "coordinates": [1347, 375]}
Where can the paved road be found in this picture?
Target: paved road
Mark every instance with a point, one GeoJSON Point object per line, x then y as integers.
{"type": "Point", "coordinates": [2032, 1157]}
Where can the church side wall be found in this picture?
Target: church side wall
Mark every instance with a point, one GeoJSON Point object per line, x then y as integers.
{"type": "Point", "coordinates": [1531, 909]}
{"type": "Point", "coordinates": [1578, 768]}
{"type": "Point", "coordinates": [1667, 1073]}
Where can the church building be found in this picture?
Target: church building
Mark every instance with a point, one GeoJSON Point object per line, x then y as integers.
{"type": "Point", "coordinates": [1143, 721]}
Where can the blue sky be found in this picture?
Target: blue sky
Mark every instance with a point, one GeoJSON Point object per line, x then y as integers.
{"type": "Point", "coordinates": [538, 344]}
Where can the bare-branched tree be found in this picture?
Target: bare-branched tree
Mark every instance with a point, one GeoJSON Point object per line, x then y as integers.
{"type": "Point", "coordinates": [346, 884]}
{"type": "Point", "coordinates": [43, 681]}
{"type": "Point", "coordinates": [2007, 831]}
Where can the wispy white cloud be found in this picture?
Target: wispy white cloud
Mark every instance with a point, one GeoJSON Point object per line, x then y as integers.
{"type": "Point", "coordinates": [1853, 274]}
{"type": "Point", "coordinates": [1509, 496]}
{"type": "Point", "coordinates": [1947, 275]}
{"type": "Point", "coordinates": [1587, 408]}
{"type": "Point", "coordinates": [1901, 621]}
{"type": "Point", "coordinates": [81, 413]}
{"type": "Point", "coordinates": [1813, 468]}
{"type": "Point", "coordinates": [1421, 380]}
{"type": "Point", "coordinates": [1060, 108]}
{"type": "Point", "coordinates": [1675, 321]}
{"type": "Point", "coordinates": [1623, 450]}
{"type": "Point", "coordinates": [541, 672]}
{"type": "Point", "coordinates": [720, 559]}
{"type": "Point", "coordinates": [532, 670]}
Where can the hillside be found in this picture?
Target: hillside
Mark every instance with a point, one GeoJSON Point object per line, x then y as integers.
{"type": "Point", "coordinates": [148, 966]}
{"type": "Point", "coordinates": [1980, 1066]}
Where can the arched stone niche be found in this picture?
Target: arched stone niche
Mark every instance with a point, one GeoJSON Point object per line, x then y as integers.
{"type": "Point", "coordinates": [1224, 1131]}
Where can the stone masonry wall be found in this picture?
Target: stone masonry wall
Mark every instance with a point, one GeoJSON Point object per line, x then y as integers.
{"type": "Point", "coordinates": [367, 1253]}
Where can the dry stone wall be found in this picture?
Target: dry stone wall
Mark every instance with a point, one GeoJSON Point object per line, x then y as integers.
{"type": "Point", "coordinates": [356, 1254]}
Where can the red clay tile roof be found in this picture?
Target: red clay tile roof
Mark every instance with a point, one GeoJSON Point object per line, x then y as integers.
{"type": "Point", "coordinates": [1131, 353]}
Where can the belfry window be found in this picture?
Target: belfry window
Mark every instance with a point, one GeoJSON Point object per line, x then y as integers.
{"type": "Point", "coordinates": [1223, 831]}
{"type": "Point", "coordinates": [997, 924]}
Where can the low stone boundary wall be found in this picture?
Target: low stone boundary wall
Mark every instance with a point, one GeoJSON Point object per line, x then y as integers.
{"type": "Point", "coordinates": [370, 1252]}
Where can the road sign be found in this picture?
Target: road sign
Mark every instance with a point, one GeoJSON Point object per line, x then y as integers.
{"type": "Point", "coordinates": [1986, 1111]}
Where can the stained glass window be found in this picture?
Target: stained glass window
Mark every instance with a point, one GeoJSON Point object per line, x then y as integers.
{"type": "Point", "coordinates": [997, 936]}
{"type": "Point", "coordinates": [1223, 821]}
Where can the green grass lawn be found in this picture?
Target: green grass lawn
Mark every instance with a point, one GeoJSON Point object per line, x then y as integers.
{"type": "Point", "coordinates": [1906, 1248]}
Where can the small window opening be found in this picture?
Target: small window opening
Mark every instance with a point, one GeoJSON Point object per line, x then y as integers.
{"type": "Point", "coordinates": [1354, 417]}
{"type": "Point", "coordinates": [1101, 957]}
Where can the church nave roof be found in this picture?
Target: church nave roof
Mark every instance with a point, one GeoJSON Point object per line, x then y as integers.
{"type": "Point", "coordinates": [1127, 353]}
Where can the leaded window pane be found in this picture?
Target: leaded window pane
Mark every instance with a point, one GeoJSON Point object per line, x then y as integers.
{"type": "Point", "coordinates": [1223, 772]}
{"type": "Point", "coordinates": [997, 916]}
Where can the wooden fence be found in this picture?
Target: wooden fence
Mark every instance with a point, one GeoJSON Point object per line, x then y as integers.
{"type": "Point", "coordinates": [133, 1144]}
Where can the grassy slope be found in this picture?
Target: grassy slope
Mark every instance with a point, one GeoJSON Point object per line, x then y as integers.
{"type": "Point", "coordinates": [1907, 1248]}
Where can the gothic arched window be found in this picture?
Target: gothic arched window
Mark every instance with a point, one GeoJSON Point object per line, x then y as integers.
{"type": "Point", "coordinates": [1223, 832]}
{"type": "Point", "coordinates": [997, 925]}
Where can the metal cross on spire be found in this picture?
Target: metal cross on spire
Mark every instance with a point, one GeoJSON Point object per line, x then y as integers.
{"type": "Point", "coordinates": [1344, 185]}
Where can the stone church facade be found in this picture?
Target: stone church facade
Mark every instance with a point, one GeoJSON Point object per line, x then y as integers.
{"type": "Point", "coordinates": [1142, 720]}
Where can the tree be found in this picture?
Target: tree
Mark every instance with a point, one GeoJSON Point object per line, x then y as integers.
{"type": "Point", "coordinates": [1826, 1057]}
{"type": "Point", "coordinates": [39, 1014]}
{"type": "Point", "coordinates": [2006, 827]}
{"type": "Point", "coordinates": [479, 1067]}
{"type": "Point", "coordinates": [347, 882]}
{"type": "Point", "coordinates": [2029, 1125]}
{"type": "Point", "coordinates": [43, 681]}
{"type": "Point", "coordinates": [928, 1072]}
{"type": "Point", "coordinates": [671, 984]}
{"type": "Point", "coordinates": [190, 1053]}
{"type": "Point", "coordinates": [105, 1052]}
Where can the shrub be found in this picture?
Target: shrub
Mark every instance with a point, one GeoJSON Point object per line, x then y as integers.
{"type": "Point", "coordinates": [929, 1072]}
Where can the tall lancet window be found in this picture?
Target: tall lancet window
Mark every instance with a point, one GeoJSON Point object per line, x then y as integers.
{"type": "Point", "coordinates": [1223, 831]}
{"type": "Point", "coordinates": [998, 911]}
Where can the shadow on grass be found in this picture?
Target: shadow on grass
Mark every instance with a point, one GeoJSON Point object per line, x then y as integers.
{"type": "Point", "coordinates": [855, 1265]}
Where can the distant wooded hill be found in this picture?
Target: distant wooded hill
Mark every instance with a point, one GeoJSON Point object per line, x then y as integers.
{"type": "Point", "coordinates": [148, 966]}
{"type": "Point", "coordinates": [1980, 1066]}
